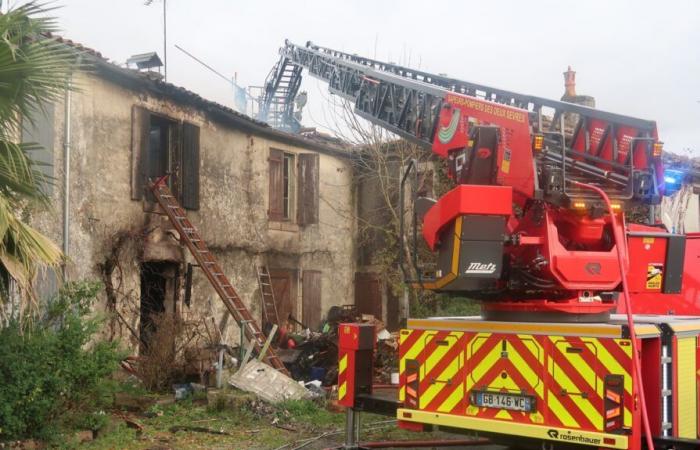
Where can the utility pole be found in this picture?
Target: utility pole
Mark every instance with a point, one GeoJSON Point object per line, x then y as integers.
{"type": "Point", "coordinates": [165, 42]}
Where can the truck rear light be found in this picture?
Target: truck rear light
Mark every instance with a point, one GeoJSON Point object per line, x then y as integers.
{"type": "Point", "coordinates": [613, 406]}
{"type": "Point", "coordinates": [658, 149]}
{"type": "Point", "coordinates": [412, 383]}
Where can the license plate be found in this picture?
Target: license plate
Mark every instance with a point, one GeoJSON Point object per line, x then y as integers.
{"type": "Point", "coordinates": [504, 401]}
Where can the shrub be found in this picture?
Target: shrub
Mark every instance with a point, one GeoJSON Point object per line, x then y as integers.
{"type": "Point", "coordinates": [53, 372]}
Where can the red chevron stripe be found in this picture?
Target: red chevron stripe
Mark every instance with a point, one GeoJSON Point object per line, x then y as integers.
{"type": "Point", "coordinates": [576, 377]}
{"type": "Point", "coordinates": [454, 352]}
{"type": "Point", "coordinates": [412, 338]}
{"type": "Point", "coordinates": [485, 348]}
{"type": "Point", "coordinates": [506, 365]}
{"type": "Point", "coordinates": [616, 352]}
{"type": "Point", "coordinates": [566, 400]}
{"type": "Point", "coordinates": [444, 394]}
{"type": "Point", "coordinates": [589, 357]}
{"type": "Point", "coordinates": [549, 416]}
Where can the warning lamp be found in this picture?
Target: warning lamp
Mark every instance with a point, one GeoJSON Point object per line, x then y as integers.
{"type": "Point", "coordinates": [579, 205]}
{"type": "Point", "coordinates": [538, 142]}
{"type": "Point", "coordinates": [658, 149]}
{"type": "Point", "coordinates": [616, 206]}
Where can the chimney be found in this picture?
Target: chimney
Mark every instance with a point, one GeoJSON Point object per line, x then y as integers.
{"type": "Point", "coordinates": [570, 83]}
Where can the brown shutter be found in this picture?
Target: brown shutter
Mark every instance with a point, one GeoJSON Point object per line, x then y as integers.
{"type": "Point", "coordinates": [190, 166]}
{"type": "Point", "coordinates": [308, 189]}
{"type": "Point", "coordinates": [140, 128]}
{"type": "Point", "coordinates": [276, 207]}
{"type": "Point", "coordinates": [311, 298]}
{"type": "Point", "coordinates": [368, 294]}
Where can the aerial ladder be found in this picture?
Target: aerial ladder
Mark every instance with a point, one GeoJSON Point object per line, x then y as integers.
{"type": "Point", "coordinates": [535, 229]}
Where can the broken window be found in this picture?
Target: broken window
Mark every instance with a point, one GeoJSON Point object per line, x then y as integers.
{"type": "Point", "coordinates": [160, 146]}
{"type": "Point", "coordinates": [294, 187]}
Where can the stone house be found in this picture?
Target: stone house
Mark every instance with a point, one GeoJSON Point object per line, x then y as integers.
{"type": "Point", "coordinates": [260, 197]}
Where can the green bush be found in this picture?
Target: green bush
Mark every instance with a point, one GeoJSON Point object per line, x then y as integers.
{"type": "Point", "coordinates": [457, 307]}
{"type": "Point", "coordinates": [53, 372]}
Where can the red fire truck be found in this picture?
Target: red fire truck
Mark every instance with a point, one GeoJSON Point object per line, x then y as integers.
{"type": "Point", "coordinates": [589, 328]}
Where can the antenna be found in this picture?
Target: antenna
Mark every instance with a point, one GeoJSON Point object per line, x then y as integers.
{"type": "Point", "coordinates": [230, 81]}
{"type": "Point", "coordinates": [165, 36]}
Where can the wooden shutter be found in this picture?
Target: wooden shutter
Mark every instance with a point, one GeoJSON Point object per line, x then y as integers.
{"type": "Point", "coordinates": [140, 128]}
{"type": "Point", "coordinates": [276, 207]}
{"type": "Point", "coordinates": [190, 166]}
{"type": "Point", "coordinates": [308, 189]}
{"type": "Point", "coordinates": [368, 294]}
{"type": "Point", "coordinates": [311, 298]}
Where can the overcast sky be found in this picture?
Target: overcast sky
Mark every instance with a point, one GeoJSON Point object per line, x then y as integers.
{"type": "Point", "coordinates": [640, 58]}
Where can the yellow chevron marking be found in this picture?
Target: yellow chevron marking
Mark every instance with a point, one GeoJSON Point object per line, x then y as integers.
{"type": "Point", "coordinates": [485, 364]}
{"type": "Point", "coordinates": [435, 388]}
{"type": "Point", "coordinates": [451, 401]}
{"type": "Point", "coordinates": [342, 364]}
{"type": "Point", "coordinates": [440, 351]}
{"type": "Point", "coordinates": [411, 353]}
{"type": "Point", "coordinates": [342, 389]}
{"type": "Point", "coordinates": [558, 409]}
{"type": "Point", "coordinates": [613, 366]}
{"type": "Point", "coordinates": [581, 366]}
{"type": "Point", "coordinates": [533, 346]}
{"type": "Point", "coordinates": [532, 377]}
{"type": "Point", "coordinates": [627, 348]}
{"type": "Point", "coordinates": [476, 343]}
{"type": "Point", "coordinates": [583, 404]}
{"type": "Point", "coordinates": [503, 414]}
{"type": "Point", "coordinates": [504, 383]}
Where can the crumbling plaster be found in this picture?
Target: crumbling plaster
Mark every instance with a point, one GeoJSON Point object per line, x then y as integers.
{"type": "Point", "coordinates": [233, 205]}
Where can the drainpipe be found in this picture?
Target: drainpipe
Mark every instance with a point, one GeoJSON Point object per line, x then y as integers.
{"type": "Point", "coordinates": [66, 170]}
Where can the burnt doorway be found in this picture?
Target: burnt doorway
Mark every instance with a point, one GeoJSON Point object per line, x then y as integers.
{"type": "Point", "coordinates": [158, 288]}
{"type": "Point", "coordinates": [368, 294]}
{"type": "Point", "coordinates": [284, 285]}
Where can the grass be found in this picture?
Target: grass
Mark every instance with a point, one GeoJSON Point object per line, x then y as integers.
{"type": "Point", "coordinates": [248, 422]}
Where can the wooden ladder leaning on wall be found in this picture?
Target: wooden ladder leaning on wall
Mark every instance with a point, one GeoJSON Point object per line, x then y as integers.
{"type": "Point", "coordinates": [267, 297]}
{"type": "Point", "coordinates": [213, 271]}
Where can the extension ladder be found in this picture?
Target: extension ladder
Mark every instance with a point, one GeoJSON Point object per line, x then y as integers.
{"type": "Point", "coordinates": [213, 271]}
{"type": "Point", "coordinates": [267, 296]}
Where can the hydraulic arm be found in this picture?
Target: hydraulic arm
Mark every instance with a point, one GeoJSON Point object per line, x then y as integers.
{"type": "Point", "coordinates": [516, 230]}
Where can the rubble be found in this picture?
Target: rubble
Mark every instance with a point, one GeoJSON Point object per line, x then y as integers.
{"type": "Point", "coordinates": [268, 383]}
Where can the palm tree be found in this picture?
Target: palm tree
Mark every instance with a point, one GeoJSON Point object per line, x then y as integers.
{"type": "Point", "coordinates": [35, 70]}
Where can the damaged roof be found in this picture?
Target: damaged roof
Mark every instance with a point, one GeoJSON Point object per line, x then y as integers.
{"type": "Point", "coordinates": [142, 80]}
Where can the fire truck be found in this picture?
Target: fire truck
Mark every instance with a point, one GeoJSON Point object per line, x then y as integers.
{"type": "Point", "coordinates": [588, 334]}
